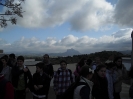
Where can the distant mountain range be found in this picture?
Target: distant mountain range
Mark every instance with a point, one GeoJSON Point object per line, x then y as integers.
{"type": "Point", "coordinates": [126, 52]}
{"type": "Point", "coordinates": [69, 52]}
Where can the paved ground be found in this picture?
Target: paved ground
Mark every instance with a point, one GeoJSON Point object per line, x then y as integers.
{"type": "Point", "coordinates": [124, 93]}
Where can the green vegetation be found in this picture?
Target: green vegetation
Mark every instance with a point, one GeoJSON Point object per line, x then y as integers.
{"type": "Point", "coordinates": [104, 55]}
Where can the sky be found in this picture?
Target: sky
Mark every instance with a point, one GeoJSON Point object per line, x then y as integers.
{"type": "Point", "coordinates": [53, 26]}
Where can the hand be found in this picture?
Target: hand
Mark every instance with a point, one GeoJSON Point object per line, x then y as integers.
{"type": "Point", "coordinates": [40, 86]}
{"type": "Point", "coordinates": [25, 69]}
{"type": "Point", "coordinates": [36, 88]}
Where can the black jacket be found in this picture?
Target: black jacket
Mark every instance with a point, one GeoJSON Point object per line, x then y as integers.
{"type": "Point", "coordinates": [48, 69]}
{"type": "Point", "coordinates": [100, 87]}
{"type": "Point", "coordinates": [40, 80]}
{"type": "Point", "coordinates": [16, 72]}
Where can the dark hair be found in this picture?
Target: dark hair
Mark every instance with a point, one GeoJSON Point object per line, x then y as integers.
{"type": "Point", "coordinates": [63, 61]}
{"type": "Point", "coordinates": [20, 58]}
{"type": "Point", "coordinates": [4, 57]}
{"type": "Point", "coordinates": [40, 65]}
{"type": "Point", "coordinates": [116, 59]}
{"type": "Point", "coordinates": [81, 62]}
{"type": "Point", "coordinates": [110, 65]}
{"type": "Point", "coordinates": [1, 66]}
{"type": "Point", "coordinates": [12, 55]}
{"type": "Point", "coordinates": [85, 70]}
{"type": "Point", "coordinates": [100, 67]}
{"type": "Point", "coordinates": [89, 61]}
{"type": "Point", "coordinates": [46, 55]}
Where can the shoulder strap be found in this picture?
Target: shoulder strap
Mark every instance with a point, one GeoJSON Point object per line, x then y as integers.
{"type": "Point", "coordinates": [82, 83]}
{"type": "Point", "coordinates": [71, 78]}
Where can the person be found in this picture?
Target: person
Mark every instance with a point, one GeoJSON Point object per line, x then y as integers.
{"type": "Point", "coordinates": [6, 88]}
{"type": "Point", "coordinates": [6, 70]}
{"type": "Point", "coordinates": [100, 87]}
{"type": "Point", "coordinates": [130, 74]}
{"type": "Point", "coordinates": [83, 91]}
{"type": "Point", "coordinates": [111, 77]}
{"type": "Point", "coordinates": [39, 82]}
{"type": "Point", "coordinates": [78, 67]}
{"type": "Point", "coordinates": [96, 63]}
{"type": "Point", "coordinates": [121, 73]}
{"type": "Point", "coordinates": [48, 69]}
{"type": "Point", "coordinates": [89, 62]}
{"type": "Point", "coordinates": [21, 78]}
{"type": "Point", "coordinates": [12, 60]}
{"type": "Point", "coordinates": [62, 79]}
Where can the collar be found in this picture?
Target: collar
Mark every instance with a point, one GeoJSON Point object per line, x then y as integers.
{"type": "Point", "coordinates": [90, 83]}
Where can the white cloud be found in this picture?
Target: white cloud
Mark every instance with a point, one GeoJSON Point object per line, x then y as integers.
{"type": "Point", "coordinates": [121, 40]}
{"type": "Point", "coordinates": [82, 15]}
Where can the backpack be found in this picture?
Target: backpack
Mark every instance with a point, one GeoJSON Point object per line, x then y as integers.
{"type": "Point", "coordinates": [71, 78]}
{"type": "Point", "coordinates": [70, 91]}
{"type": "Point", "coordinates": [2, 88]}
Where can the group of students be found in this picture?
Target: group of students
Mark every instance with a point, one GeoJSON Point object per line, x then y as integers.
{"type": "Point", "coordinates": [103, 80]}
{"type": "Point", "coordinates": [16, 79]}
{"type": "Point", "coordinates": [90, 80]}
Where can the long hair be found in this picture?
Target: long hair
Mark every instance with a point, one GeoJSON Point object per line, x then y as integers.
{"type": "Point", "coordinates": [96, 76]}
{"type": "Point", "coordinates": [116, 59]}
{"type": "Point", "coordinates": [1, 66]}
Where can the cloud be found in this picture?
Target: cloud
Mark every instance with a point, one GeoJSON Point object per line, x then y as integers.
{"type": "Point", "coordinates": [123, 13]}
{"type": "Point", "coordinates": [82, 15]}
{"type": "Point", "coordinates": [120, 40]}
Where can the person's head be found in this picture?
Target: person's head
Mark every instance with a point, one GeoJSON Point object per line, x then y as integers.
{"type": "Point", "coordinates": [12, 56]}
{"type": "Point", "coordinates": [89, 62]}
{"type": "Point", "coordinates": [46, 58]}
{"type": "Point", "coordinates": [1, 66]}
{"type": "Point", "coordinates": [6, 56]}
{"type": "Point", "coordinates": [82, 62]}
{"type": "Point", "coordinates": [97, 60]}
{"type": "Point", "coordinates": [86, 72]}
{"type": "Point", "coordinates": [20, 61]}
{"type": "Point", "coordinates": [101, 70]}
{"type": "Point", "coordinates": [63, 64]}
{"type": "Point", "coordinates": [4, 60]}
{"type": "Point", "coordinates": [111, 66]}
{"type": "Point", "coordinates": [118, 61]}
{"type": "Point", "coordinates": [39, 67]}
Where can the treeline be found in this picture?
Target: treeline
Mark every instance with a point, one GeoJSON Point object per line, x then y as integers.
{"type": "Point", "coordinates": [104, 55]}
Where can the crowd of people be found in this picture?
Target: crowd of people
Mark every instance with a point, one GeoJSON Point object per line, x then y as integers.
{"type": "Point", "coordinates": [91, 79]}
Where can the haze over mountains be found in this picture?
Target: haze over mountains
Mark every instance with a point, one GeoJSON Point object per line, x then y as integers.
{"type": "Point", "coordinates": [68, 52]}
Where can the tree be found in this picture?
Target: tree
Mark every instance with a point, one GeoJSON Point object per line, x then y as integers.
{"type": "Point", "coordinates": [13, 9]}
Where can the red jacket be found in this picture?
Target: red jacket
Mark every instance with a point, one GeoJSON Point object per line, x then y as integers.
{"type": "Point", "coordinates": [9, 90]}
